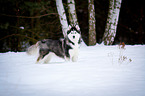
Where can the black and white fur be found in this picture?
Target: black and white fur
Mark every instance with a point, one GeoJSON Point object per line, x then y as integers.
{"type": "Point", "coordinates": [67, 48]}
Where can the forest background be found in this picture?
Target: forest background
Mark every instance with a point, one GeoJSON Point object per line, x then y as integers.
{"type": "Point", "coordinates": [24, 22]}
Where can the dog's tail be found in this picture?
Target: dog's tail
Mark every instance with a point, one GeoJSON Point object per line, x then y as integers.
{"type": "Point", "coordinates": [33, 50]}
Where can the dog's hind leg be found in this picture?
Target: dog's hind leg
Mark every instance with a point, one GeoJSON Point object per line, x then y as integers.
{"type": "Point", "coordinates": [42, 54]}
{"type": "Point", "coordinates": [38, 59]}
{"type": "Point", "coordinates": [47, 58]}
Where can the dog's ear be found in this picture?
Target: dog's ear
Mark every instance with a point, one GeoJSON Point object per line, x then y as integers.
{"type": "Point", "coordinates": [61, 39]}
{"type": "Point", "coordinates": [69, 27]}
{"type": "Point", "coordinates": [77, 27]}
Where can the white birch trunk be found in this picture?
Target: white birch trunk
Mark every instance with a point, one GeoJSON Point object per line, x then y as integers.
{"type": "Point", "coordinates": [112, 22]}
{"type": "Point", "coordinates": [92, 27]}
{"type": "Point", "coordinates": [72, 12]}
{"type": "Point", "coordinates": [62, 16]}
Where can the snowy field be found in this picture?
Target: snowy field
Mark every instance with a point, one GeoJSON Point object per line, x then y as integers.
{"type": "Point", "coordinates": [100, 71]}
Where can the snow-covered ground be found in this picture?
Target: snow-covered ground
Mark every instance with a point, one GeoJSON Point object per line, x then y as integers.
{"type": "Point", "coordinates": [100, 71]}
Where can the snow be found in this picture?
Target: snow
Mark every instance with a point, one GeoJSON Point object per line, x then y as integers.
{"type": "Point", "coordinates": [22, 27]}
{"type": "Point", "coordinates": [98, 72]}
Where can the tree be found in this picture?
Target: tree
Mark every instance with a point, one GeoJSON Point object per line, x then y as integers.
{"type": "Point", "coordinates": [112, 21]}
{"type": "Point", "coordinates": [72, 12]}
{"type": "Point", "coordinates": [62, 16]}
{"type": "Point", "coordinates": [92, 29]}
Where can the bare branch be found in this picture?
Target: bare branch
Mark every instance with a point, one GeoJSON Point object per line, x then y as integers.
{"type": "Point", "coordinates": [30, 16]}
{"type": "Point", "coordinates": [18, 35]}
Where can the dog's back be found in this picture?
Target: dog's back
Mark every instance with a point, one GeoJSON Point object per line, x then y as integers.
{"type": "Point", "coordinates": [54, 46]}
{"type": "Point", "coordinates": [45, 46]}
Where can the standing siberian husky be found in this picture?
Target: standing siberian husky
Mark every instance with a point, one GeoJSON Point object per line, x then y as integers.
{"type": "Point", "coordinates": [66, 48]}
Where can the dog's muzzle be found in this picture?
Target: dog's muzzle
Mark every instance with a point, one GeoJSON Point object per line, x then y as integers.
{"type": "Point", "coordinates": [73, 37]}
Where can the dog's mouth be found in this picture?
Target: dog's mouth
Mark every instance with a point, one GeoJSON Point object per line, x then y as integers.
{"type": "Point", "coordinates": [73, 37]}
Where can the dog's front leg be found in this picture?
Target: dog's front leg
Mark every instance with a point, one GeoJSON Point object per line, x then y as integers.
{"type": "Point", "coordinates": [74, 55]}
{"type": "Point", "coordinates": [75, 58]}
{"type": "Point", "coordinates": [67, 58]}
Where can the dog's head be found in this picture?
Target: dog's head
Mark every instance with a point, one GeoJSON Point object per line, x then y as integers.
{"type": "Point", "coordinates": [74, 34]}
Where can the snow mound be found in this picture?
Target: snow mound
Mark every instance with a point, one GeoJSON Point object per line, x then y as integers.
{"type": "Point", "coordinates": [100, 71]}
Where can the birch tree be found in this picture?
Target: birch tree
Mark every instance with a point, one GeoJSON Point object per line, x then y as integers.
{"type": "Point", "coordinates": [72, 12]}
{"type": "Point", "coordinates": [92, 27]}
{"type": "Point", "coordinates": [62, 16]}
{"type": "Point", "coordinates": [112, 21]}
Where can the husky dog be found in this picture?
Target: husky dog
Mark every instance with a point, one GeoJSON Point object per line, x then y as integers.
{"type": "Point", "coordinates": [66, 48]}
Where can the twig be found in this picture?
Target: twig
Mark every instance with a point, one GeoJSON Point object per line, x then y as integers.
{"type": "Point", "coordinates": [18, 35]}
{"type": "Point", "coordinates": [30, 16]}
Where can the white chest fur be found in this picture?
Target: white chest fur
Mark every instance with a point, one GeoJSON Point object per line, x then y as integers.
{"type": "Point", "coordinates": [74, 54]}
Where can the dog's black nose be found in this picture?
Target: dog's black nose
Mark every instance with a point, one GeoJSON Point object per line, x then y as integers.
{"type": "Point", "coordinates": [73, 37]}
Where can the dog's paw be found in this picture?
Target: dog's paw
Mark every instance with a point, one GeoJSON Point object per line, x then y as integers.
{"type": "Point", "coordinates": [74, 58]}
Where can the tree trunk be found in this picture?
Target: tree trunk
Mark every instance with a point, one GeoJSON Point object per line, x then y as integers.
{"type": "Point", "coordinates": [72, 12]}
{"type": "Point", "coordinates": [62, 16]}
{"type": "Point", "coordinates": [112, 21]}
{"type": "Point", "coordinates": [92, 27]}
